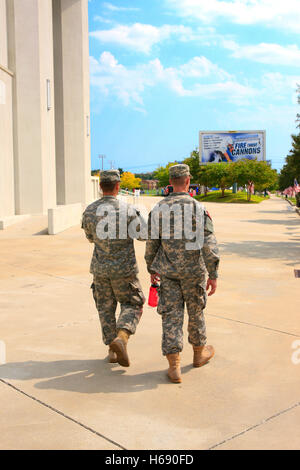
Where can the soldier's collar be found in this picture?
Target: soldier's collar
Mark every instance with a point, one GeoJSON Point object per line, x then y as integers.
{"type": "Point", "coordinates": [180, 194]}
{"type": "Point", "coordinates": [109, 197]}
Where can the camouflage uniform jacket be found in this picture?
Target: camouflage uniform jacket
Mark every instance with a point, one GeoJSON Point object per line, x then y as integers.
{"type": "Point", "coordinates": [171, 259]}
{"type": "Point", "coordinates": [113, 257]}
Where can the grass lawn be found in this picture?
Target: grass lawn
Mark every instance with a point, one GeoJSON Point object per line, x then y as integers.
{"type": "Point", "coordinates": [151, 192]}
{"type": "Point", "coordinates": [238, 198]}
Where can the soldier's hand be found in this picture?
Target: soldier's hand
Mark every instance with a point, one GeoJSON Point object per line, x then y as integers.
{"type": "Point", "coordinates": [212, 285]}
{"type": "Point", "coordinates": [155, 278]}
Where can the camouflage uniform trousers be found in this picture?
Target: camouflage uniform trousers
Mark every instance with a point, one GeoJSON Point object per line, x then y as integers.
{"type": "Point", "coordinates": [107, 293]}
{"type": "Point", "coordinates": [174, 293]}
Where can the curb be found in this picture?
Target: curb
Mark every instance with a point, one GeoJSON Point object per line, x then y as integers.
{"type": "Point", "coordinates": [297, 209]}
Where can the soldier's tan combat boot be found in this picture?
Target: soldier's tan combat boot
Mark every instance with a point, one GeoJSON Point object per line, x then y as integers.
{"type": "Point", "coordinates": [202, 355]}
{"type": "Point", "coordinates": [174, 372]}
{"type": "Point", "coordinates": [119, 346]}
{"type": "Point", "coordinates": [112, 357]}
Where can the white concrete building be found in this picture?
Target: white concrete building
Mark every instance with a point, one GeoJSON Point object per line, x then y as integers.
{"type": "Point", "coordinates": [44, 106]}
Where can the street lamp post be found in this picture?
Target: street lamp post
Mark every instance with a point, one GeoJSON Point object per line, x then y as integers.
{"type": "Point", "coordinates": [102, 157]}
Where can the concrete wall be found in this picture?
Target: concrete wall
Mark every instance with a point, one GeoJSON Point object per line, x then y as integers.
{"type": "Point", "coordinates": [47, 115]}
{"type": "Point", "coordinates": [7, 201]}
{"type": "Point", "coordinates": [44, 145]}
{"type": "Point", "coordinates": [3, 34]}
{"type": "Point", "coordinates": [30, 55]}
{"type": "Point", "coordinates": [71, 59]}
{"type": "Point", "coordinates": [63, 217]}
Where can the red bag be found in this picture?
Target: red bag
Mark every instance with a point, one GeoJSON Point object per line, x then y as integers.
{"type": "Point", "coordinates": [153, 296]}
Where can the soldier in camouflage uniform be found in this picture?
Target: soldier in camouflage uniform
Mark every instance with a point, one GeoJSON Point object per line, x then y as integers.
{"type": "Point", "coordinates": [114, 266]}
{"type": "Point", "coordinates": [182, 272]}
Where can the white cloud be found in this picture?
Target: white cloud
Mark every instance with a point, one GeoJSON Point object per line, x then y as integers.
{"type": "Point", "coordinates": [280, 14]}
{"type": "Point", "coordinates": [129, 84]}
{"type": "Point", "coordinates": [101, 19]}
{"type": "Point", "coordinates": [266, 53]}
{"type": "Point", "coordinates": [202, 67]}
{"type": "Point", "coordinates": [112, 78]}
{"type": "Point", "coordinates": [281, 87]}
{"type": "Point", "coordinates": [141, 37]}
{"type": "Point", "coordinates": [111, 7]}
{"type": "Point", "coordinates": [228, 91]}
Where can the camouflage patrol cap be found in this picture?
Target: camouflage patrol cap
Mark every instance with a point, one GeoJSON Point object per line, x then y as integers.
{"type": "Point", "coordinates": [177, 171]}
{"type": "Point", "coordinates": [110, 176]}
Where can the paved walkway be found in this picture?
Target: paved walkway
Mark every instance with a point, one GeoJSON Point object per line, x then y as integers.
{"type": "Point", "coordinates": [58, 392]}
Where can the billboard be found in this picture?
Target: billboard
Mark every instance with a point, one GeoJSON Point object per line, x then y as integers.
{"type": "Point", "coordinates": [231, 146]}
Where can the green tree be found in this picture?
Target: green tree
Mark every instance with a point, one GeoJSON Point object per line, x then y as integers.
{"type": "Point", "coordinates": [162, 174]}
{"type": "Point", "coordinates": [194, 164]}
{"type": "Point", "coordinates": [298, 115]}
{"type": "Point", "coordinates": [291, 169]}
{"type": "Point", "coordinates": [215, 174]}
{"type": "Point", "coordinates": [204, 177]}
{"type": "Point", "coordinates": [251, 172]}
{"type": "Point", "coordinates": [219, 175]}
{"type": "Point", "coordinates": [145, 176]}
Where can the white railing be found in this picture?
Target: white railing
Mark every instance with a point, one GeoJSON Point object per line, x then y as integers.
{"type": "Point", "coordinates": [95, 190]}
{"type": "Point", "coordinates": [126, 193]}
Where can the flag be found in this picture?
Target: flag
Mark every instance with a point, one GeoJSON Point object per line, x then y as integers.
{"type": "Point", "coordinates": [296, 186]}
{"type": "Point", "coordinates": [289, 191]}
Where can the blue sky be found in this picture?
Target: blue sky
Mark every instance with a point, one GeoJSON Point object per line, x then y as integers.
{"type": "Point", "coordinates": [162, 70]}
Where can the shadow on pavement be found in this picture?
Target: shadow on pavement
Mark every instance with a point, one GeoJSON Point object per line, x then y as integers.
{"type": "Point", "coordinates": [285, 251]}
{"type": "Point", "coordinates": [42, 232]}
{"type": "Point", "coordinates": [284, 211]}
{"type": "Point", "coordinates": [275, 222]}
{"type": "Point", "coordinates": [90, 376]}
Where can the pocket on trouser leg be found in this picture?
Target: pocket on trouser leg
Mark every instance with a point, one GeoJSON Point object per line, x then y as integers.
{"type": "Point", "coordinates": [202, 298]}
{"type": "Point", "coordinates": [195, 298]}
{"type": "Point", "coordinates": [170, 300]}
{"type": "Point", "coordinates": [137, 297]}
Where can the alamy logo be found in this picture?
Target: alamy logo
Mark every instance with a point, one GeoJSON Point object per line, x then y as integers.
{"type": "Point", "coordinates": [2, 353]}
{"type": "Point", "coordinates": [296, 354]}
{"type": "Point", "coordinates": [178, 222]}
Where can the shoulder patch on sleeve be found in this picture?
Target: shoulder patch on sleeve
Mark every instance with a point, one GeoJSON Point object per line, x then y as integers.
{"type": "Point", "coordinates": [208, 214]}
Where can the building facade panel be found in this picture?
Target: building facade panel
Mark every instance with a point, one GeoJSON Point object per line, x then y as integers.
{"type": "Point", "coordinates": [7, 197]}
{"type": "Point", "coordinates": [71, 63]}
{"type": "Point", "coordinates": [7, 200]}
{"type": "Point", "coordinates": [44, 105]}
{"type": "Point", "coordinates": [3, 34]}
{"type": "Point", "coordinates": [33, 123]}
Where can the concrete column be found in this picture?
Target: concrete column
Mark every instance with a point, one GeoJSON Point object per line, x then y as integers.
{"type": "Point", "coordinates": [7, 202]}
{"type": "Point", "coordinates": [3, 34]}
{"type": "Point", "coordinates": [30, 46]}
{"type": "Point", "coordinates": [72, 110]}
